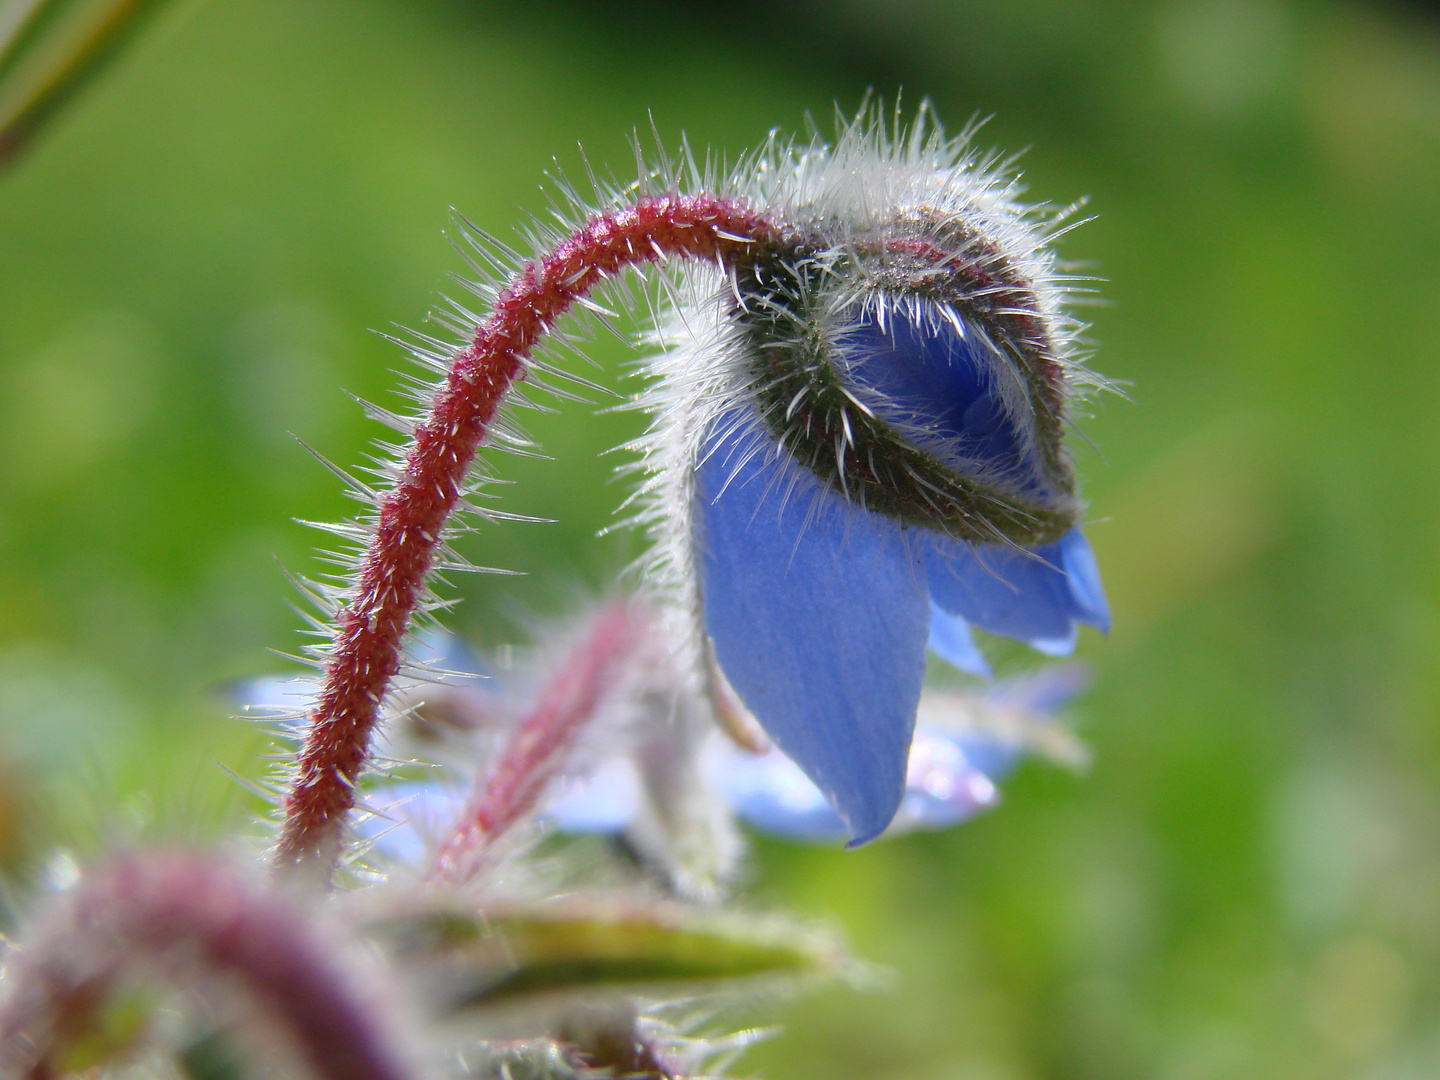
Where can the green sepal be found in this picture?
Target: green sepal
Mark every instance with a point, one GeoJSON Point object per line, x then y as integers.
{"type": "Point", "coordinates": [802, 399]}
{"type": "Point", "coordinates": [583, 944]}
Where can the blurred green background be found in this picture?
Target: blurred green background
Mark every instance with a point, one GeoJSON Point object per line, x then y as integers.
{"type": "Point", "coordinates": [1247, 883]}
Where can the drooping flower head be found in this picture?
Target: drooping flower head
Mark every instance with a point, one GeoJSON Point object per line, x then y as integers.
{"type": "Point", "coordinates": [859, 448]}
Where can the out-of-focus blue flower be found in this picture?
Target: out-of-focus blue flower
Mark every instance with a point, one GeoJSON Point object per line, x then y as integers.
{"type": "Point", "coordinates": [964, 744]}
{"type": "Point", "coordinates": [441, 658]}
{"type": "Point", "coordinates": [942, 788]}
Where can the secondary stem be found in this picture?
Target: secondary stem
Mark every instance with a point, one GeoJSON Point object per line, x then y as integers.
{"type": "Point", "coordinates": [582, 685]}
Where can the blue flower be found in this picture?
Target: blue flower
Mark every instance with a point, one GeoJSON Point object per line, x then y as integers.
{"type": "Point", "coordinates": [868, 424]}
{"type": "Point", "coordinates": [965, 743]}
{"type": "Point", "coordinates": [820, 611]}
{"type": "Point", "coordinates": [943, 788]}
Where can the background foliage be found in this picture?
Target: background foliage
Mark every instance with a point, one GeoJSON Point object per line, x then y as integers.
{"type": "Point", "coordinates": [1246, 885]}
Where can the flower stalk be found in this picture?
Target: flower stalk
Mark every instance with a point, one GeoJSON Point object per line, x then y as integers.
{"type": "Point", "coordinates": [370, 627]}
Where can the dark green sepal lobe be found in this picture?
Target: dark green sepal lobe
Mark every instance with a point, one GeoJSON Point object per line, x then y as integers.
{"type": "Point", "coordinates": [804, 402]}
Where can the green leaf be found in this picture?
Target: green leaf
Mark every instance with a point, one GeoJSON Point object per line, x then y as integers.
{"type": "Point", "coordinates": [48, 49]}
{"type": "Point", "coordinates": [588, 943]}
{"type": "Point", "coordinates": [213, 1056]}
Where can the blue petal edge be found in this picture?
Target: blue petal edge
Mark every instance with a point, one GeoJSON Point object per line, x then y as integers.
{"type": "Point", "coordinates": [771, 793]}
{"type": "Point", "coordinates": [1083, 573]}
{"type": "Point", "coordinates": [1036, 595]}
{"type": "Point", "coordinates": [818, 614]}
{"type": "Point", "coordinates": [950, 639]}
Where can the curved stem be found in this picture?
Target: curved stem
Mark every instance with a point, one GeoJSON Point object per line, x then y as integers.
{"type": "Point", "coordinates": [584, 682]}
{"type": "Point", "coordinates": [190, 919]}
{"type": "Point", "coordinates": [365, 655]}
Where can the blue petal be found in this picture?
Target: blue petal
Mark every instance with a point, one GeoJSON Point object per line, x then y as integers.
{"type": "Point", "coordinates": [406, 818]}
{"type": "Point", "coordinates": [1036, 596]}
{"type": "Point", "coordinates": [951, 641]}
{"type": "Point", "coordinates": [942, 384]}
{"type": "Point", "coordinates": [770, 793]}
{"type": "Point", "coordinates": [1063, 645]}
{"type": "Point", "coordinates": [999, 589]}
{"type": "Point", "coordinates": [992, 755]}
{"type": "Point", "coordinates": [1083, 573]}
{"type": "Point", "coordinates": [944, 787]}
{"type": "Point", "coordinates": [455, 662]}
{"type": "Point", "coordinates": [607, 801]}
{"type": "Point", "coordinates": [1033, 700]}
{"type": "Point", "coordinates": [819, 618]}
{"type": "Point", "coordinates": [1043, 692]}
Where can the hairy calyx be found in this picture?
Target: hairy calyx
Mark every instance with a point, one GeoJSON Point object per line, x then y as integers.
{"type": "Point", "coordinates": [841, 431]}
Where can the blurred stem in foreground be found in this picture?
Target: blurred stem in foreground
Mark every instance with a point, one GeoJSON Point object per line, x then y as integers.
{"type": "Point", "coordinates": [48, 49]}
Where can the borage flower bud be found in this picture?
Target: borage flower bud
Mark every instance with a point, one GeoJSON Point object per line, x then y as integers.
{"type": "Point", "coordinates": [860, 450]}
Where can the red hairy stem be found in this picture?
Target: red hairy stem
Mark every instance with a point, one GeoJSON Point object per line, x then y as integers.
{"type": "Point", "coordinates": [586, 679]}
{"type": "Point", "coordinates": [186, 919]}
{"type": "Point", "coordinates": [365, 653]}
